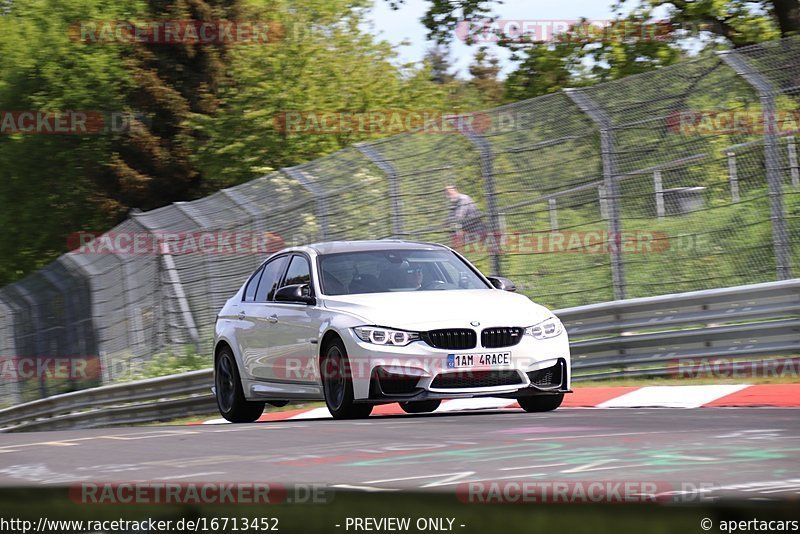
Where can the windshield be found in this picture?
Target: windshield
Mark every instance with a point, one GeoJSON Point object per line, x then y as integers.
{"type": "Point", "coordinates": [384, 271]}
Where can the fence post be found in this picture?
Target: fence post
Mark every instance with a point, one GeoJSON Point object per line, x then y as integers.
{"type": "Point", "coordinates": [7, 343]}
{"type": "Point", "coordinates": [766, 93]}
{"type": "Point", "coordinates": [658, 185]}
{"type": "Point", "coordinates": [166, 265]}
{"type": "Point", "coordinates": [39, 350]}
{"type": "Point", "coordinates": [69, 343]}
{"type": "Point", "coordinates": [394, 185]}
{"type": "Point", "coordinates": [733, 176]}
{"type": "Point", "coordinates": [177, 287]}
{"type": "Point", "coordinates": [89, 273]}
{"type": "Point", "coordinates": [487, 170]}
{"type": "Point", "coordinates": [611, 187]}
{"type": "Point", "coordinates": [302, 178]}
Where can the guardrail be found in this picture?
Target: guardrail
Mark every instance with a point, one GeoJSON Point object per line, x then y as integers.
{"type": "Point", "coordinates": [153, 399]}
{"type": "Point", "coordinates": [621, 338]}
{"type": "Point", "coordinates": [651, 336]}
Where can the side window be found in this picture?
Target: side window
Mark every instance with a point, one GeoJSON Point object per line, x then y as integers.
{"type": "Point", "coordinates": [450, 272]}
{"type": "Point", "coordinates": [270, 279]}
{"type": "Point", "coordinates": [252, 285]}
{"type": "Point", "coordinates": [299, 272]}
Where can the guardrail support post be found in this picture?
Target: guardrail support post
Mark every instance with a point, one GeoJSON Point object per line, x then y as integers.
{"type": "Point", "coordinates": [487, 170]}
{"type": "Point", "coordinates": [772, 159]}
{"type": "Point", "coordinates": [394, 185]}
{"type": "Point", "coordinates": [300, 176]}
{"type": "Point", "coordinates": [610, 182]}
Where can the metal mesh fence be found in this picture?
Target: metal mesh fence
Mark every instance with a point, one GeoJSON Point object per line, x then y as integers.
{"type": "Point", "coordinates": [679, 179]}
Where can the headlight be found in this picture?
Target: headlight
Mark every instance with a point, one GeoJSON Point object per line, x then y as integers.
{"type": "Point", "coordinates": [385, 336]}
{"type": "Point", "coordinates": [551, 327]}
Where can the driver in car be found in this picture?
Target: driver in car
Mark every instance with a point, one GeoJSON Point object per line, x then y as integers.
{"type": "Point", "coordinates": [414, 277]}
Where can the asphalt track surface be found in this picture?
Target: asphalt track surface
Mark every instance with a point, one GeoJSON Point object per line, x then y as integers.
{"type": "Point", "coordinates": [747, 453]}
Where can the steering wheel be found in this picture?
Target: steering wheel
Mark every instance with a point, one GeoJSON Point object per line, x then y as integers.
{"type": "Point", "coordinates": [435, 284]}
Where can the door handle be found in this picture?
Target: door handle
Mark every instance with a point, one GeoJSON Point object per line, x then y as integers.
{"type": "Point", "coordinates": [241, 316]}
{"type": "Point", "coordinates": [272, 319]}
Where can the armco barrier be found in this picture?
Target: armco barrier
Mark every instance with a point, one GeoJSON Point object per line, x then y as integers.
{"type": "Point", "coordinates": [628, 338]}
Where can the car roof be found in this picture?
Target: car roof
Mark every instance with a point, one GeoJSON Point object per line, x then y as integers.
{"type": "Point", "coordinates": [334, 247]}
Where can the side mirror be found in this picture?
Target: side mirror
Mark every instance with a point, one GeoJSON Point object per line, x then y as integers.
{"type": "Point", "coordinates": [502, 283]}
{"type": "Point", "coordinates": [300, 293]}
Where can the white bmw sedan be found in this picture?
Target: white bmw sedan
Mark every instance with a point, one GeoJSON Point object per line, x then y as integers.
{"type": "Point", "coordinates": [362, 323]}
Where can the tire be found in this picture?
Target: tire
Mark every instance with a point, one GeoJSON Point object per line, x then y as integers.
{"type": "Point", "coordinates": [337, 384]}
{"type": "Point", "coordinates": [420, 406]}
{"type": "Point", "coordinates": [541, 403]}
{"type": "Point", "coordinates": [229, 393]}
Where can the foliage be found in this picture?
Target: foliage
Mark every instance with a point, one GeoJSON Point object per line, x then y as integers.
{"type": "Point", "coordinates": [169, 363]}
{"type": "Point", "coordinates": [46, 190]}
{"type": "Point", "coordinates": [206, 115]}
{"type": "Point", "coordinates": [582, 58]}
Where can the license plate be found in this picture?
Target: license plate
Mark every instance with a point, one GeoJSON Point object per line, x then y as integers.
{"type": "Point", "coordinates": [461, 361]}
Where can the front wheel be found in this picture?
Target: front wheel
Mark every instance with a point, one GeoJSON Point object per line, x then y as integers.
{"type": "Point", "coordinates": [420, 406]}
{"type": "Point", "coordinates": [337, 384]}
{"type": "Point", "coordinates": [230, 396]}
{"type": "Point", "coordinates": [541, 403]}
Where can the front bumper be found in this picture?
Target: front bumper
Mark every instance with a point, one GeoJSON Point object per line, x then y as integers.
{"type": "Point", "coordinates": [416, 372]}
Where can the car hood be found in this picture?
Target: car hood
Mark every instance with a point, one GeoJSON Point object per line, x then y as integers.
{"type": "Point", "coordinates": [431, 310]}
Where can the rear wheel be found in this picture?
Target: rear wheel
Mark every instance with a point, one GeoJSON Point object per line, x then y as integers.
{"type": "Point", "coordinates": [541, 403]}
{"type": "Point", "coordinates": [230, 395]}
{"type": "Point", "coordinates": [420, 406]}
{"type": "Point", "coordinates": [337, 384]}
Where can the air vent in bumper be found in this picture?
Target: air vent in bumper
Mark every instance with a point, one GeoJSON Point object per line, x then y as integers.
{"type": "Point", "coordinates": [475, 379]}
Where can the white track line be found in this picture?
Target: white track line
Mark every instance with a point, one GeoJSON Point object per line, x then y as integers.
{"type": "Point", "coordinates": [315, 413]}
{"type": "Point", "coordinates": [458, 405]}
{"type": "Point", "coordinates": [672, 396]}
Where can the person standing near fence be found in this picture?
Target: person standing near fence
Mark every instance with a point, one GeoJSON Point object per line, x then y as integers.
{"type": "Point", "coordinates": [464, 219]}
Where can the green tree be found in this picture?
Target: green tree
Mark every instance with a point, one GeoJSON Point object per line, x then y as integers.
{"type": "Point", "coordinates": [546, 67]}
{"type": "Point", "coordinates": [151, 165]}
{"type": "Point", "coordinates": [46, 190]}
{"type": "Point", "coordinates": [484, 71]}
{"type": "Point", "coordinates": [210, 111]}
{"type": "Point", "coordinates": [438, 60]}
{"type": "Point", "coordinates": [325, 63]}
{"type": "Point", "coordinates": [442, 16]}
{"type": "Point", "coordinates": [739, 22]}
